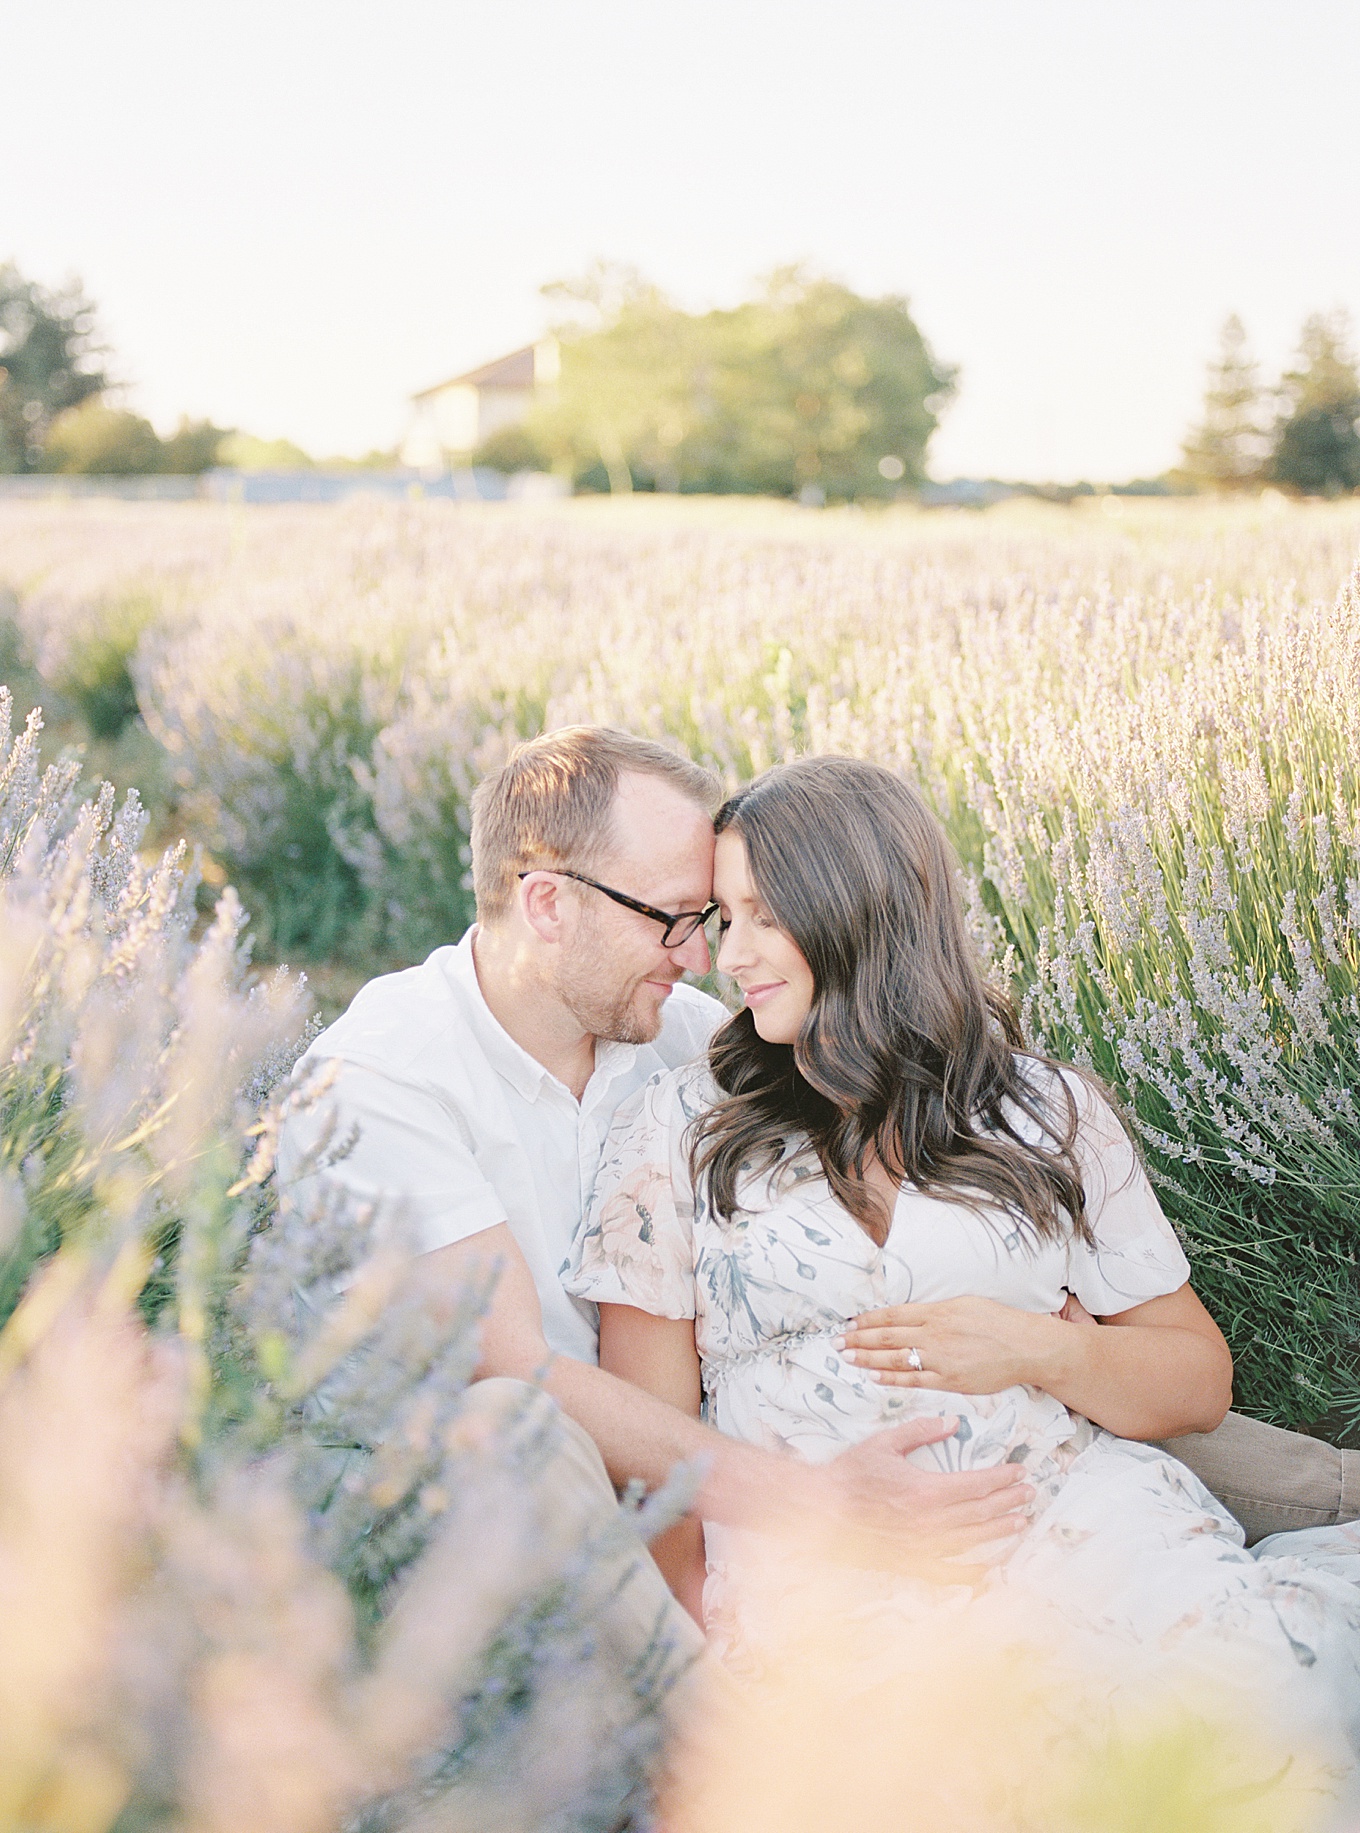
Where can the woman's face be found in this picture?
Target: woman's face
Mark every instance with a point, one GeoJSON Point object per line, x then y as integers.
{"type": "Point", "coordinates": [775, 980]}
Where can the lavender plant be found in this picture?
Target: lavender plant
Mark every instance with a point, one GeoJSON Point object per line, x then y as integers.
{"type": "Point", "coordinates": [1193, 938]}
{"type": "Point", "coordinates": [1137, 722]}
{"type": "Point", "coordinates": [263, 1561]}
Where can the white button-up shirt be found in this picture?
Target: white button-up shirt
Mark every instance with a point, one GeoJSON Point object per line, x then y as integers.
{"type": "Point", "coordinates": [465, 1130]}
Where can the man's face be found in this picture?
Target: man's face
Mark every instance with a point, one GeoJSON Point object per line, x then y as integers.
{"type": "Point", "coordinates": [613, 974]}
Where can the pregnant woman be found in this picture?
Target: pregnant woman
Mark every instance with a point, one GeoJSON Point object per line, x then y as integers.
{"type": "Point", "coordinates": [870, 1132]}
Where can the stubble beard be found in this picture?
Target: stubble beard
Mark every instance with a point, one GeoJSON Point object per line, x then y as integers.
{"type": "Point", "coordinates": [604, 1010]}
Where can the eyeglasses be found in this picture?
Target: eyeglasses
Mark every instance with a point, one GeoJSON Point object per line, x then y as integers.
{"type": "Point", "coordinates": [678, 926]}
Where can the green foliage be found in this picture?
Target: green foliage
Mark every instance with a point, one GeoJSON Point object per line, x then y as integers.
{"type": "Point", "coordinates": [1317, 449]}
{"type": "Point", "coordinates": [194, 446]}
{"type": "Point", "coordinates": [1229, 450]}
{"type": "Point", "coordinates": [39, 1157]}
{"type": "Point", "coordinates": [47, 347]}
{"type": "Point", "coordinates": [94, 672]}
{"type": "Point", "coordinates": [1313, 446]}
{"type": "Point", "coordinates": [244, 452]}
{"type": "Point", "coordinates": [306, 895]}
{"type": "Point", "coordinates": [97, 440]}
{"type": "Point", "coordinates": [512, 449]}
{"type": "Point", "coordinates": [807, 385]}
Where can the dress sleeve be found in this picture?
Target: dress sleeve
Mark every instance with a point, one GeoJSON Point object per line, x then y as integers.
{"type": "Point", "coordinates": [635, 1245]}
{"type": "Point", "coordinates": [1135, 1255]}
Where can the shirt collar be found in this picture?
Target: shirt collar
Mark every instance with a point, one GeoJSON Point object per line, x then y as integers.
{"type": "Point", "coordinates": [525, 1074]}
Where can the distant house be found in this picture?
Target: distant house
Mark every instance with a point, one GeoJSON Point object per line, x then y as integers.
{"type": "Point", "coordinates": [450, 420]}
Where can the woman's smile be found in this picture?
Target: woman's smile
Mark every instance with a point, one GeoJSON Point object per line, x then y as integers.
{"type": "Point", "coordinates": [758, 995]}
{"type": "Point", "coordinates": [775, 980]}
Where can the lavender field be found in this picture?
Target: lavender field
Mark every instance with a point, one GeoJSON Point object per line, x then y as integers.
{"type": "Point", "coordinates": [1139, 723]}
{"type": "Point", "coordinates": [1137, 720]}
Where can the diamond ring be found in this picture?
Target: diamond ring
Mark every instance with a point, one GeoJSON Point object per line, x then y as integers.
{"type": "Point", "coordinates": [914, 1360]}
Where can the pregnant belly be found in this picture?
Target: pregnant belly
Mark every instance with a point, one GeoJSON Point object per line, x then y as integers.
{"type": "Point", "coordinates": [808, 1399]}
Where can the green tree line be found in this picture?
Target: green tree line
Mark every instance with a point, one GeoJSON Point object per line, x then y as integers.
{"type": "Point", "coordinates": [1302, 433]}
{"type": "Point", "coordinates": [808, 388]}
{"type": "Point", "coordinates": [55, 411]}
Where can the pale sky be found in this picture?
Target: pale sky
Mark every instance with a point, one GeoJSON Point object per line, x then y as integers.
{"type": "Point", "coordinates": [292, 213]}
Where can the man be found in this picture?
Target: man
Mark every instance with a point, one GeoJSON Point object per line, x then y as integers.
{"type": "Point", "coordinates": [482, 1084]}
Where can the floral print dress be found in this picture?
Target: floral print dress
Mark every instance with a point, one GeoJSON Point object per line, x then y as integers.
{"type": "Point", "coordinates": [1127, 1556]}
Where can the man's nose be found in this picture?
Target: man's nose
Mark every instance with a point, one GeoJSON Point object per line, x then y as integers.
{"type": "Point", "coordinates": [693, 955]}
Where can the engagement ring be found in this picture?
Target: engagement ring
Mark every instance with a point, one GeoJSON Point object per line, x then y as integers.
{"type": "Point", "coordinates": [914, 1359]}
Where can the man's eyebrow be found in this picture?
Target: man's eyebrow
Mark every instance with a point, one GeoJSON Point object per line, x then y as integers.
{"type": "Point", "coordinates": [687, 905]}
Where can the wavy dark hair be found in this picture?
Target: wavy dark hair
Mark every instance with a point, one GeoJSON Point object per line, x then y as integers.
{"type": "Point", "coordinates": [906, 1052]}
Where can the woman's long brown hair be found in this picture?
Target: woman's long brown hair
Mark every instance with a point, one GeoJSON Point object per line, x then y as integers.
{"type": "Point", "coordinates": [906, 1052]}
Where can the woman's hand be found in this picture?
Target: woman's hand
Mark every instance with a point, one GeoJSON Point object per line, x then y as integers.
{"type": "Point", "coordinates": [964, 1345]}
{"type": "Point", "coordinates": [1153, 1372]}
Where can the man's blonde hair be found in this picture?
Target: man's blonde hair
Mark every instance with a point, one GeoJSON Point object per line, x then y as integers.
{"type": "Point", "coordinates": [551, 804]}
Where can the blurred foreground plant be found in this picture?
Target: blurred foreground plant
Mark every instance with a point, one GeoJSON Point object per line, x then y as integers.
{"type": "Point", "coordinates": [265, 1562]}
{"type": "Point", "coordinates": [977, 1719]}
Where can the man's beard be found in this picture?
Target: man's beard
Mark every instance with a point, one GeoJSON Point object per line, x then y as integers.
{"type": "Point", "coordinates": [604, 1010]}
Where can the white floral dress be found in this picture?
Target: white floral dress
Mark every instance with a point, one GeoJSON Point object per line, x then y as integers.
{"type": "Point", "coordinates": [1126, 1550]}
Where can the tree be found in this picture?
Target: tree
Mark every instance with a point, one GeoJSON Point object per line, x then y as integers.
{"type": "Point", "coordinates": [628, 356]}
{"type": "Point", "coordinates": [1230, 448]}
{"type": "Point", "coordinates": [96, 440]}
{"type": "Point", "coordinates": [818, 387]}
{"type": "Point", "coordinates": [511, 449]}
{"type": "Point", "coordinates": [194, 446]}
{"type": "Point", "coordinates": [807, 385]}
{"type": "Point", "coordinates": [1317, 440]}
{"type": "Point", "coordinates": [244, 452]}
{"type": "Point", "coordinates": [99, 440]}
{"type": "Point", "coordinates": [47, 350]}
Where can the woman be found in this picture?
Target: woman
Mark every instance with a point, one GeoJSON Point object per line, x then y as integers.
{"type": "Point", "coordinates": [869, 1132]}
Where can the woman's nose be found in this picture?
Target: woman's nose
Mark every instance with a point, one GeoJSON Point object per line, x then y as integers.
{"type": "Point", "coordinates": [731, 954]}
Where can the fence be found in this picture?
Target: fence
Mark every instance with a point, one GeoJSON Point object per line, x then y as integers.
{"type": "Point", "coordinates": [479, 485]}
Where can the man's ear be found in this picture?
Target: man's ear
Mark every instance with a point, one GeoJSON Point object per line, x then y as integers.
{"type": "Point", "coordinates": [542, 906]}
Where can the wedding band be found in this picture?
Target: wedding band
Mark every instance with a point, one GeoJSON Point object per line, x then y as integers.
{"type": "Point", "coordinates": [914, 1359]}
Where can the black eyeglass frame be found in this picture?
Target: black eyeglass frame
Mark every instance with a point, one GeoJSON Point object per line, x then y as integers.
{"type": "Point", "coordinates": [667, 918]}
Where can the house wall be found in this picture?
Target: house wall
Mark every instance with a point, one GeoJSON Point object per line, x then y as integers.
{"type": "Point", "coordinates": [498, 407]}
{"type": "Point", "coordinates": [457, 418]}
{"type": "Point", "coordinates": [453, 421]}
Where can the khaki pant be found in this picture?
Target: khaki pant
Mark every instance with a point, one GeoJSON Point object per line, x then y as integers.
{"type": "Point", "coordinates": [631, 1605]}
{"type": "Point", "coordinates": [1273, 1480]}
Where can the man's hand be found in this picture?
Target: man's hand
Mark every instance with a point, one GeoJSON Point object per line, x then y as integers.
{"type": "Point", "coordinates": [870, 1496]}
{"type": "Point", "coordinates": [915, 1514]}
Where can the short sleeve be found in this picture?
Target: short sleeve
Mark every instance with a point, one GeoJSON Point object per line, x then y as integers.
{"type": "Point", "coordinates": [397, 1142]}
{"type": "Point", "coordinates": [1134, 1255]}
{"type": "Point", "coordinates": [635, 1245]}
